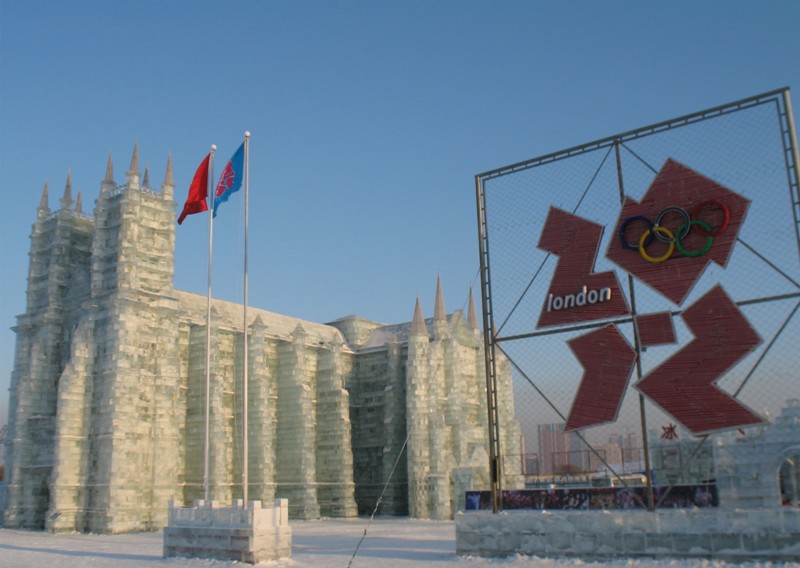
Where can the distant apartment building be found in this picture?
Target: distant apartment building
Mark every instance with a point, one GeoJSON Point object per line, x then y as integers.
{"type": "Point", "coordinates": [554, 448]}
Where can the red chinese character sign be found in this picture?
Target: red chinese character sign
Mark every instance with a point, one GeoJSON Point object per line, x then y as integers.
{"type": "Point", "coordinates": [684, 222]}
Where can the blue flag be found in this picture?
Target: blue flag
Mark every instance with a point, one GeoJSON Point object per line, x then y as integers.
{"type": "Point", "coordinates": [231, 179]}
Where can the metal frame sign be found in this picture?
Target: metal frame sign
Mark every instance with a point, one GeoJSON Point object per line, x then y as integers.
{"type": "Point", "coordinates": [671, 250]}
{"type": "Point", "coordinates": [695, 199]}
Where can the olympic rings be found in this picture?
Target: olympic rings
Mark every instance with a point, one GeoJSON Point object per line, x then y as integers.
{"type": "Point", "coordinates": [624, 226]}
{"type": "Point", "coordinates": [670, 248]}
{"type": "Point", "coordinates": [675, 240]}
{"type": "Point", "coordinates": [683, 231]}
{"type": "Point", "coordinates": [709, 239]}
{"type": "Point", "coordinates": [702, 207]}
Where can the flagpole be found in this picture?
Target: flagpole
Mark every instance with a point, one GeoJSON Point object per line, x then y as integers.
{"type": "Point", "coordinates": [245, 462]}
{"type": "Point", "coordinates": [210, 197]}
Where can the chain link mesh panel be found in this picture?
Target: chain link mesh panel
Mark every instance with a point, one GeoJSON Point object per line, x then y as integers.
{"type": "Point", "coordinates": [748, 147]}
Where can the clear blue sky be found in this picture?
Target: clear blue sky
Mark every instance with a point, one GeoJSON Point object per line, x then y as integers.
{"type": "Point", "coordinates": [369, 121]}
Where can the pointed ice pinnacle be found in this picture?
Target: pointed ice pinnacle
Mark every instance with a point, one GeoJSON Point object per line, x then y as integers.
{"type": "Point", "coordinates": [108, 182]}
{"type": "Point", "coordinates": [79, 203]}
{"type": "Point", "coordinates": [44, 204]}
{"type": "Point", "coordinates": [135, 159]}
{"type": "Point", "coordinates": [439, 313]}
{"type": "Point", "coordinates": [146, 179]}
{"type": "Point", "coordinates": [109, 170]}
{"type": "Point", "coordinates": [168, 187]}
{"type": "Point", "coordinates": [132, 175]}
{"type": "Point", "coordinates": [472, 316]}
{"type": "Point", "coordinates": [66, 200]}
{"type": "Point", "coordinates": [418, 326]}
{"type": "Point", "coordinates": [168, 177]}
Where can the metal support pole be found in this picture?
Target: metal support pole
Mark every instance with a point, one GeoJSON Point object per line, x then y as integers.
{"type": "Point", "coordinates": [245, 412]}
{"type": "Point", "coordinates": [495, 467]}
{"type": "Point", "coordinates": [638, 347]}
{"type": "Point", "coordinates": [792, 156]}
{"type": "Point", "coordinates": [207, 441]}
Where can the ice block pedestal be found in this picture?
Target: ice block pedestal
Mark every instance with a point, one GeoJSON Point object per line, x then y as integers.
{"type": "Point", "coordinates": [210, 530]}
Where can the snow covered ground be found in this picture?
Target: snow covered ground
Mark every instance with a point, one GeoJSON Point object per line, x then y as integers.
{"type": "Point", "coordinates": [390, 543]}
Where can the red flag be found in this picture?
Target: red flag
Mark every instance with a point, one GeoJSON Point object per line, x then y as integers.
{"type": "Point", "coordinates": [198, 191]}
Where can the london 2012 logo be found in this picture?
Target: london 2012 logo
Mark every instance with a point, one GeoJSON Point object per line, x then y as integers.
{"type": "Point", "coordinates": [684, 222]}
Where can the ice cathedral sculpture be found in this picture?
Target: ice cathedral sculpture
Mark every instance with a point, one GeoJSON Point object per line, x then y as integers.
{"type": "Point", "coordinates": [107, 397]}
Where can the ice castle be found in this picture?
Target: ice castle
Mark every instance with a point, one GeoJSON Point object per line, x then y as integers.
{"type": "Point", "coordinates": [107, 398]}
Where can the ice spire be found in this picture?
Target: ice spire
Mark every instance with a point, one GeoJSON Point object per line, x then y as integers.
{"type": "Point", "coordinates": [472, 315]}
{"type": "Point", "coordinates": [132, 175]}
{"type": "Point", "coordinates": [108, 182]}
{"type": "Point", "coordinates": [44, 205]}
{"type": "Point", "coordinates": [66, 200]}
{"type": "Point", "coordinates": [299, 331]}
{"type": "Point", "coordinates": [168, 186]}
{"type": "Point", "coordinates": [418, 326]}
{"type": "Point", "coordinates": [439, 313]}
{"type": "Point", "coordinates": [135, 158]}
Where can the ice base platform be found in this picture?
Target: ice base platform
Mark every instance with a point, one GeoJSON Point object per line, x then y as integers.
{"type": "Point", "coordinates": [249, 534]}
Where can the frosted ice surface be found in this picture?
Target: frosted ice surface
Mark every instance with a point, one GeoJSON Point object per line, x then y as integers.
{"type": "Point", "coordinates": [390, 543]}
